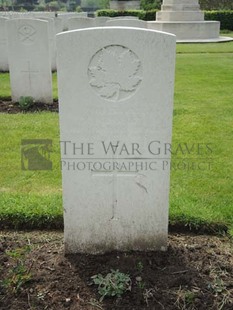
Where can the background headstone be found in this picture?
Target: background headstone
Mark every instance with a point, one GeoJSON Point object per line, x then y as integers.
{"type": "Point", "coordinates": [126, 23]}
{"type": "Point", "coordinates": [101, 21]}
{"type": "Point", "coordinates": [58, 25]}
{"type": "Point", "coordinates": [25, 15]}
{"type": "Point", "coordinates": [29, 59]}
{"type": "Point", "coordinates": [3, 45]}
{"type": "Point", "coordinates": [120, 91]}
{"type": "Point", "coordinates": [80, 23]}
{"type": "Point", "coordinates": [127, 17]}
{"type": "Point", "coordinates": [39, 15]}
{"type": "Point", "coordinates": [52, 42]}
{"type": "Point", "coordinates": [66, 16]}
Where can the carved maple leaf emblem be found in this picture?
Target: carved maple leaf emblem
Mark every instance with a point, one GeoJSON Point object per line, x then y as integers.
{"type": "Point", "coordinates": [116, 72]}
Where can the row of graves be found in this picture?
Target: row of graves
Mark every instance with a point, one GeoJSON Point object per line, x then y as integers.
{"type": "Point", "coordinates": [28, 47]}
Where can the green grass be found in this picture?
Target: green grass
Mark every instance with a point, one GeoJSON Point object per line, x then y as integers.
{"type": "Point", "coordinates": [5, 92]}
{"type": "Point", "coordinates": [31, 197]}
{"type": "Point", "coordinates": [203, 113]}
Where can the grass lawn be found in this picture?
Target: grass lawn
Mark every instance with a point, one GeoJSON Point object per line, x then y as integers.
{"type": "Point", "coordinates": [203, 114]}
{"type": "Point", "coordinates": [29, 196]}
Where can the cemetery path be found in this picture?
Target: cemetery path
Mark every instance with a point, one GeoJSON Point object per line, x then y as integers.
{"type": "Point", "coordinates": [10, 107]}
{"type": "Point", "coordinates": [195, 273]}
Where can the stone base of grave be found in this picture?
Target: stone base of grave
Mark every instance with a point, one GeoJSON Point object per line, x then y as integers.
{"type": "Point", "coordinates": [189, 31]}
{"type": "Point", "coordinates": [179, 16]}
{"type": "Point", "coordinates": [154, 242]}
{"type": "Point", "coordinates": [217, 40]}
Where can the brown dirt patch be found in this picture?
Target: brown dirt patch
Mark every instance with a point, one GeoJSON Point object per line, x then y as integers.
{"type": "Point", "coordinates": [195, 273]}
{"type": "Point", "coordinates": [13, 107]}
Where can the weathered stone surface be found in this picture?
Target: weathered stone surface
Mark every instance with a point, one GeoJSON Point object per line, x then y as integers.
{"type": "Point", "coordinates": [29, 59]}
{"type": "Point", "coordinates": [184, 19]}
{"type": "Point", "coordinates": [80, 23]}
{"type": "Point", "coordinates": [127, 23]}
{"type": "Point", "coordinates": [3, 45]}
{"type": "Point", "coordinates": [101, 21]}
{"type": "Point", "coordinates": [115, 115]}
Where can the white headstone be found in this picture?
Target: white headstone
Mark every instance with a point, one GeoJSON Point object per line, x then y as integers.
{"type": "Point", "coordinates": [115, 115]}
{"type": "Point", "coordinates": [3, 45]}
{"type": "Point", "coordinates": [58, 24]}
{"type": "Point", "coordinates": [29, 59]}
{"type": "Point", "coordinates": [80, 23]}
{"type": "Point", "coordinates": [52, 42]}
{"type": "Point", "coordinates": [126, 23]}
{"type": "Point", "coordinates": [10, 14]}
{"type": "Point", "coordinates": [66, 16]}
{"type": "Point", "coordinates": [100, 21]}
{"type": "Point", "coordinates": [126, 16]}
{"type": "Point", "coordinates": [44, 14]}
{"type": "Point", "coordinates": [25, 15]}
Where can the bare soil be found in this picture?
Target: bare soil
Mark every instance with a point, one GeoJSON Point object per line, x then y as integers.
{"type": "Point", "coordinates": [195, 273]}
{"type": "Point", "coordinates": [10, 107]}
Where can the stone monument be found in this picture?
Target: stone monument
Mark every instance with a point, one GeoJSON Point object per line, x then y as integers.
{"type": "Point", "coordinates": [185, 19]}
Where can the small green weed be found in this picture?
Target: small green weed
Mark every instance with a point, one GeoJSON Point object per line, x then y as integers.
{"type": "Point", "coordinates": [140, 283]}
{"type": "Point", "coordinates": [19, 274]}
{"type": "Point", "coordinates": [222, 294]}
{"type": "Point", "coordinates": [185, 299]}
{"type": "Point", "coordinates": [140, 266]}
{"type": "Point", "coordinates": [114, 283]}
{"type": "Point", "coordinates": [217, 286]}
{"type": "Point", "coordinates": [189, 297]}
{"type": "Point", "coordinates": [26, 102]}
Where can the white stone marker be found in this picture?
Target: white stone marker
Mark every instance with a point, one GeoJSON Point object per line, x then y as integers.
{"type": "Point", "coordinates": [3, 45]}
{"type": "Point", "coordinates": [119, 91]}
{"type": "Point", "coordinates": [126, 16]}
{"type": "Point", "coordinates": [80, 23]}
{"type": "Point", "coordinates": [52, 42]}
{"type": "Point", "coordinates": [58, 25]}
{"type": "Point", "coordinates": [40, 15]}
{"type": "Point", "coordinates": [24, 15]}
{"type": "Point", "coordinates": [66, 16]}
{"type": "Point", "coordinates": [29, 59]}
{"type": "Point", "coordinates": [100, 21]}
